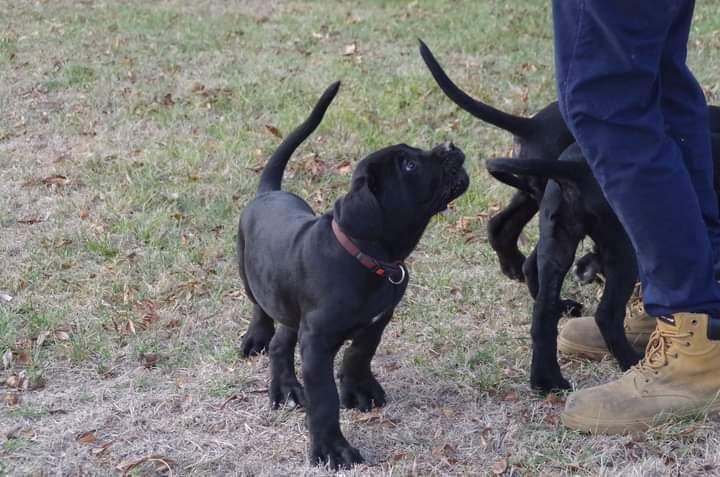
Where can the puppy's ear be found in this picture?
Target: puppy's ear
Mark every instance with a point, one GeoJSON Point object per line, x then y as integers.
{"type": "Point", "coordinates": [358, 212]}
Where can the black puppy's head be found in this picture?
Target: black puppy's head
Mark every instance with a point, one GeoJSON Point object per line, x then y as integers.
{"type": "Point", "coordinates": [396, 190]}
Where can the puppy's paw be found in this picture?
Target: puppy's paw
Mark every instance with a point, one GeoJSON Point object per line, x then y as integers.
{"type": "Point", "coordinates": [286, 392]}
{"type": "Point", "coordinates": [549, 383]}
{"type": "Point", "coordinates": [256, 341]}
{"type": "Point", "coordinates": [571, 308]}
{"type": "Point", "coordinates": [336, 453]}
{"type": "Point", "coordinates": [628, 359]}
{"type": "Point", "coordinates": [361, 393]}
{"type": "Point", "coordinates": [512, 266]}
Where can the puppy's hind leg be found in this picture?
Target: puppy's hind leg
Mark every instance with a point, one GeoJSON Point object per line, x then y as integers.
{"type": "Point", "coordinates": [504, 230]}
{"type": "Point", "coordinates": [259, 333]}
{"type": "Point", "coordinates": [556, 251]}
{"type": "Point", "coordinates": [619, 264]}
{"type": "Point", "coordinates": [358, 387]}
{"type": "Point", "coordinates": [284, 385]}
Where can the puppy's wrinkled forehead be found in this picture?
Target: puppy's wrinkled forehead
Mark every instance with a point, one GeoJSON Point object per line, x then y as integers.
{"type": "Point", "coordinates": [386, 155]}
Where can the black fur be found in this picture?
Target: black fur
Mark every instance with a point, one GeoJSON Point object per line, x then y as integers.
{"type": "Point", "coordinates": [304, 283]}
{"type": "Point", "coordinates": [545, 135]}
{"type": "Point", "coordinates": [572, 208]}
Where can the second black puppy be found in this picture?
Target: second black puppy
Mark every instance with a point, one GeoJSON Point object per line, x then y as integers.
{"type": "Point", "coordinates": [326, 279]}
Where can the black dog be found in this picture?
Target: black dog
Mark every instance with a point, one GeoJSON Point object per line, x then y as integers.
{"type": "Point", "coordinates": [573, 207]}
{"type": "Point", "coordinates": [546, 136]}
{"type": "Point", "coordinates": [338, 276]}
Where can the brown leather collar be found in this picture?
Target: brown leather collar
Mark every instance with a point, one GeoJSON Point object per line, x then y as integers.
{"type": "Point", "coordinates": [395, 272]}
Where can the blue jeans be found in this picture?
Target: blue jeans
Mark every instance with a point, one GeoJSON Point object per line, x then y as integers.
{"type": "Point", "coordinates": [641, 120]}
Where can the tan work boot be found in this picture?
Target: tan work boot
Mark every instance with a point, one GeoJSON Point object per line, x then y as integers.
{"type": "Point", "coordinates": [581, 336]}
{"type": "Point", "coordinates": [679, 376]}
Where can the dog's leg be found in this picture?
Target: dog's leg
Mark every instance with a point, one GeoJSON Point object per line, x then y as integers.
{"type": "Point", "coordinates": [504, 229]}
{"type": "Point", "coordinates": [327, 443]}
{"type": "Point", "coordinates": [259, 333]}
{"type": "Point", "coordinates": [556, 251]}
{"type": "Point", "coordinates": [530, 270]}
{"type": "Point", "coordinates": [284, 385]}
{"type": "Point", "coordinates": [358, 387]}
{"type": "Point", "coordinates": [619, 265]}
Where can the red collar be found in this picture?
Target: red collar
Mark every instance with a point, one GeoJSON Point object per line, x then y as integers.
{"type": "Point", "coordinates": [394, 272]}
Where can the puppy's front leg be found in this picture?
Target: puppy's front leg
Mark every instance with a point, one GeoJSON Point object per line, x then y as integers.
{"type": "Point", "coordinates": [358, 387]}
{"type": "Point", "coordinates": [327, 444]}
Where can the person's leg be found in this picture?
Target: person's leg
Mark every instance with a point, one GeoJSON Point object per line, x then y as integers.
{"type": "Point", "coordinates": [608, 54]}
{"type": "Point", "coordinates": [686, 119]}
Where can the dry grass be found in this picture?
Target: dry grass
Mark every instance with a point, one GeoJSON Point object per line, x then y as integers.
{"type": "Point", "coordinates": [130, 136]}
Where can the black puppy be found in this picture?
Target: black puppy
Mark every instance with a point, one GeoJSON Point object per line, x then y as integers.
{"type": "Point", "coordinates": [572, 208]}
{"type": "Point", "coordinates": [545, 135]}
{"type": "Point", "coordinates": [338, 276]}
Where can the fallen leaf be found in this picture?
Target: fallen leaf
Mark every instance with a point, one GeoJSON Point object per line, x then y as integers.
{"type": "Point", "coordinates": [234, 397]}
{"type": "Point", "coordinates": [398, 456]}
{"type": "Point", "coordinates": [41, 337]}
{"type": "Point", "coordinates": [274, 131]}
{"type": "Point", "coordinates": [350, 49]}
{"type": "Point", "coordinates": [13, 381]}
{"type": "Point", "coordinates": [55, 179]}
{"type": "Point", "coordinates": [168, 100]}
{"type": "Point", "coordinates": [62, 335]}
{"type": "Point", "coordinates": [87, 437]}
{"type": "Point", "coordinates": [510, 397]}
{"type": "Point", "coordinates": [11, 399]}
{"type": "Point", "coordinates": [499, 467]}
{"type": "Point", "coordinates": [129, 465]}
{"type": "Point", "coordinates": [7, 359]}
{"type": "Point", "coordinates": [197, 87]}
{"type": "Point", "coordinates": [30, 221]}
{"type": "Point", "coordinates": [102, 448]}
{"type": "Point", "coordinates": [23, 356]}
{"type": "Point", "coordinates": [554, 399]}
{"type": "Point", "coordinates": [82, 213]}
{"type": "Point", "coordinates": [345, 167]}
{"type": "Point", "coordinates": [149, 360]}
{"type": "Point", "coordinates": [445, 452]}
{"type": "Point", "coordinates": [21, 432]}
{"type": "Point", "coordinates": [5, 298]}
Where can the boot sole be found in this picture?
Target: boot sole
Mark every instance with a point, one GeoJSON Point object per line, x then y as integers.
{"type": "Point", "coordinates": [589, 426]}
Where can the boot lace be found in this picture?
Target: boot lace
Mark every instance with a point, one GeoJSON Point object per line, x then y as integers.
{"type": "Point", "coordinates": [658, 350]}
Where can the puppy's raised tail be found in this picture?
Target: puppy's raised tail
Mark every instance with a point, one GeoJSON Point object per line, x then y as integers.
{"type": "Point", "coordinates": [271, 177]}
{"type": "Point", "coordinates": [517, 125]}
{"type": "Point", "coordinates": [514, 172]}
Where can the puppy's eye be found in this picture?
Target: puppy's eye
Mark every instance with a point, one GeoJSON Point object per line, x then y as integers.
{"type": "Point", "coordinates": [409, 165]}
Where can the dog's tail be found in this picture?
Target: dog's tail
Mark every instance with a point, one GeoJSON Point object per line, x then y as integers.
{"type": "Point", "coordinates": [514, 172]}
{"type": "Point", "coordinates": [271, 177]}
{"type": "Point", "coordinates": [517, 125]}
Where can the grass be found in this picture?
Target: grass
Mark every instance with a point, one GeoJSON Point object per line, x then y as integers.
{"type": "Point", "coordinates": [130, 138]}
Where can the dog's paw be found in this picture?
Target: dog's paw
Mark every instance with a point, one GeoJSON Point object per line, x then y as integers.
{"type": "Point", "coordinates": [571, 308]}
{"type": "Point", "coordinates": [336, 453]}
{"type": "Point", "coordinates": [549, 383]}
{"type": "Point", "coordinates": [628, 359]}
{"type": "Point", "coordinates": [256, 341]}
{"type": "Point", "coordinates": [361, 393]}
{"type": "Point", "coordinates": [286, 392]}
{"type": "Point", "coordinates": [512, 266]}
